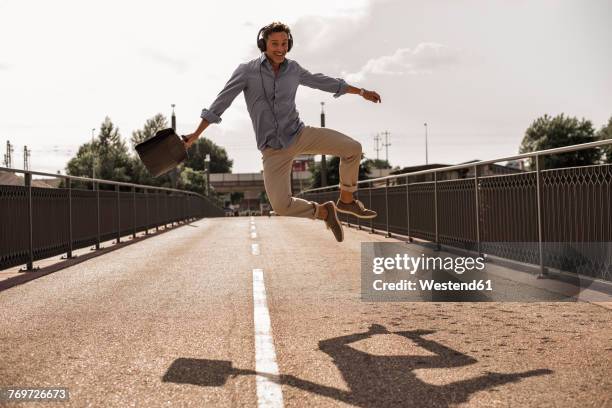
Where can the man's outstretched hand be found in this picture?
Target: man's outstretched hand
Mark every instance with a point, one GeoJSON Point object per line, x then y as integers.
{"type": "Point", "coordinates": [371, 96]}
{"type": "Point", "coordinates": [188, 140]}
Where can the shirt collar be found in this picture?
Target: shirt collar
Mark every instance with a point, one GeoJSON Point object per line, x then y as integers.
{"type": "Point", "coordinates": [263, 59]}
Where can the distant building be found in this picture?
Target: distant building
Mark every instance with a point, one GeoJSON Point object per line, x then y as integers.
{"type": "Point", "coordinates": [491, 169]}
{"type": "Point", "coordinates": [8, 178]}
{"type": "Point", "coordinates": [303, 162]}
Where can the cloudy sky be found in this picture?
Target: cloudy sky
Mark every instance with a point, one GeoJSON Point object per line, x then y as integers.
{"type": "Point", "coordinates": [478, 72]}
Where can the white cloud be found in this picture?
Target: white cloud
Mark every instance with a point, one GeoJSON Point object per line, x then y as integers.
{"type": "Point", "coordinates": [423, 59]}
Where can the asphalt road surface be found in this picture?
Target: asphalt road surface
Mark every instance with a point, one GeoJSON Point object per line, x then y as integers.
{"type": "Point", "coordinates": [267, 312]}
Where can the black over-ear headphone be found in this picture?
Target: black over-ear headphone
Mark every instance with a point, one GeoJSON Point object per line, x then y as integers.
{"type": "Point", "coordinates": [261, 41]}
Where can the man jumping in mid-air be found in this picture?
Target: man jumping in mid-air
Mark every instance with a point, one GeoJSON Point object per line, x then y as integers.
{"type": "Point", "coordinates": [269, 84]}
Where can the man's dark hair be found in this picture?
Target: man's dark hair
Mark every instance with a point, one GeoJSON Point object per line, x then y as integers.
{"type": "Point", "coordinates": [275, 27]}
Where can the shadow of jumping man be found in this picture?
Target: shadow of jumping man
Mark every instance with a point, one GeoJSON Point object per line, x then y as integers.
{"type": "Point", "coordinates": [377, 381]}
{"type": "Point", "coordinates": [374, 381]}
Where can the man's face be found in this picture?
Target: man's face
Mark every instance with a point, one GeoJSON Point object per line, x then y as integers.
{"type": "Point", "coordinates": [276, 46]}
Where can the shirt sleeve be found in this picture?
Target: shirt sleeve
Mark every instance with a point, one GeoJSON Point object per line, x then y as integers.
{"type": "Point", "coordinates": [322, 82]}
{"type": "Point", "coordinates": [232, 88]}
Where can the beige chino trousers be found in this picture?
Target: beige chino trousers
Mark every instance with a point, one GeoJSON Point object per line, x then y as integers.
{"type": "Point", "coordinates": [277, 164]}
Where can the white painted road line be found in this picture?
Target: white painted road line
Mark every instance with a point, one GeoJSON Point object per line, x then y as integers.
{"type": "Point", "coordinates": [255, 249]}
{"type": "Point", "coordinates": [268, 391]}
{"type": "Point", "coordinates": [253, 235]}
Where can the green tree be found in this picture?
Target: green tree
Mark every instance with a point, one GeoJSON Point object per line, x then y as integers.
{"type": "Point", "coordinates": [112, 160]}
{"type": "Point", "coordinates": [378, 164]}
{"type": "Point", "coordinates": [139, 172]}
{"type": "Point", "coordinates": [236, 197]}
{"type": "Point", "coordinates": [82, 164]}
{"type": "Point", "coordinates": [193, 180]}
{"type": "Point", "coordinates": [603, 134]}
{"type": "Point", "coordinates": [151, 126]}
{"type": "Point", "coordinates": [333, 177]}
{"type": "Point", "coordinates": [548, 133]}
{"type": "Point", "coordinates": [109, 136]}
{"type": "Point", "coordinates": [219, 162]}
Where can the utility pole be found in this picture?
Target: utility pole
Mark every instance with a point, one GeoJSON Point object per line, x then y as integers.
{"type": "Point", "coordinates": [323, 161]}
{"type": "Point", "coordinates": [426, 158]}
{"type": "Point", "coordinates": [377, 139]}
{"type": "Point", "coordinates": [386, 144]}
{"type": "Point", "coordinates": [26, 158]}
{"type": "Point", "coordinates": [8, 162]}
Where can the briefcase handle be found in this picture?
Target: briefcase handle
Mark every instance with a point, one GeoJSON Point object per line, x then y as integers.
{"type": "Point", "coordinates": [184, 139]}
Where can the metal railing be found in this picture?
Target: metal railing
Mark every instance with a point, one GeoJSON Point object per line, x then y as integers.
{"type": "Point", "coordinates": [557, 218]}
{"type": "Point", "coordinates": [37, 223]}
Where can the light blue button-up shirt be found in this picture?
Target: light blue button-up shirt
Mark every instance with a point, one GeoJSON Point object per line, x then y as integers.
{"type": "Point", "coordinates": [270, 98]}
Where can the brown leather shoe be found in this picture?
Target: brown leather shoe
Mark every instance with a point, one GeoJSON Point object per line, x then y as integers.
{"type": "Point", "coordinates": [332, 222]}
{"type": "Point", "coordinates": [355, 208]}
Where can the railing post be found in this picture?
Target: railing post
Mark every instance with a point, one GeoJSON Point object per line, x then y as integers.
{"type": "Point", "coordinates": [436, 209]}
{"type": "Point", "coordinates": [134, 212]}
{"type": "Point", "coordinates": [28, 184]}
{"type": "Point", "coordinates": [358, 219]}
{"type": "Point", "coordinates": [179, 214]}
{"type": "Point", "coordinates": [147, 224]}
{"type": "Point", "coordinates": [347, 216]}
{"type": "Point", "coordinates": [387, 206]}
{"type": "Point", "coordinates": [157, 220]}
{"type": "Point", "coordinates": [69, 183]}
{"type": "Point", "coordinates": [118, 213]}
{"type": "Point", "coordinates": [543, 271]}
{"type": "Point", "coordinates": [408, 208]}
{"type": "Point", "coordinates": [166, 212]}
{"type": "Point", "coordinates": [185, 208]}
{"type": "Point", "coordinates": [97, 188]}
{"type": "Point", "coordinates": [477, 198]}
{"type": "Point", "coordinates": [370, 206]}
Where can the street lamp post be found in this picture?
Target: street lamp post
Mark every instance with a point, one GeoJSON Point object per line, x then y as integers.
{"type": "Point", "coordinates": [323, 159]}
{"type": "Point", "coordinates": [173, 119]}
{"type": "Point", "coordinates": [93, 155]}
{"type": "Point", "coordinates": [207, 172]}
{"type": "Point", "coordinates": [426, 158]}
{"type": "Point", "coordinates": [174, 174]}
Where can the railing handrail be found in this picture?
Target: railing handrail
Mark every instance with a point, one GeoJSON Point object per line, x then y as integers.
{"type": "Point", "coordinates": [563, 149]}
{"type": "Point", "coordinates": [99, 181]}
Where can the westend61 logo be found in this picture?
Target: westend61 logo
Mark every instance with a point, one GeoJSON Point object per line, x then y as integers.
{"type": "Point", "coordinates": [400, 264]}
{"type": "Point", "coordinates": [394, 272]}
{"type": "Point", "coordinates": [401, 272]}
{"type": "Point", "coordinates": [413, 264]}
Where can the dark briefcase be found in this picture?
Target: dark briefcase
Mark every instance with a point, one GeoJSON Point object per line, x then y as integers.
{"type": "Point", "coordinates": [162, 152]}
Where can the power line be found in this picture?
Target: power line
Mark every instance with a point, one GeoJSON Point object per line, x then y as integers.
{"type": "Point", "coordinates": [8, 161]}
{"type": "Point", "coordinates": [26, 158]}
{"type": "Point", "coordinates": [377, 139]}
